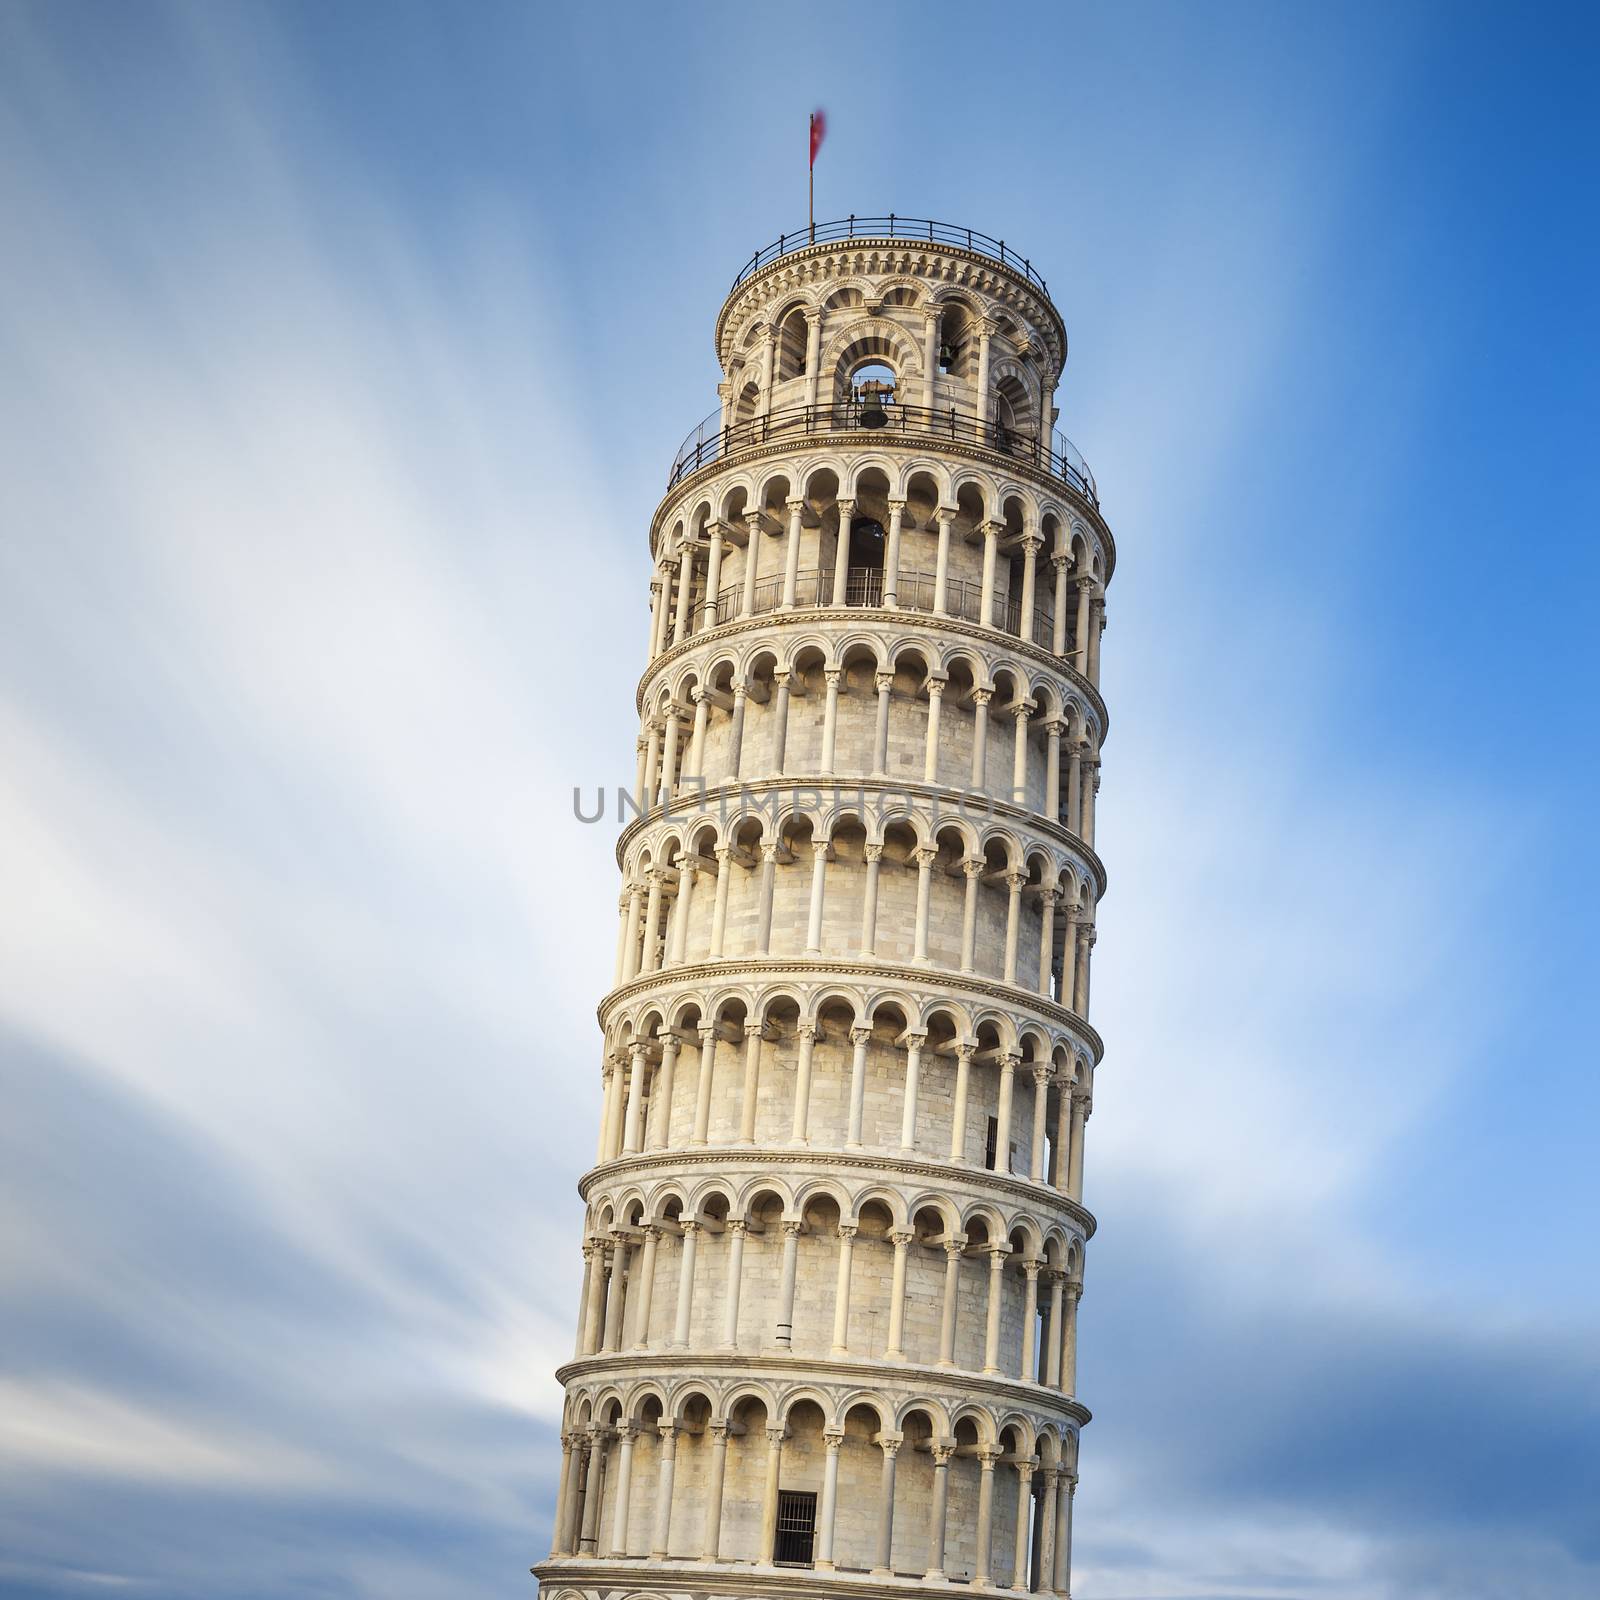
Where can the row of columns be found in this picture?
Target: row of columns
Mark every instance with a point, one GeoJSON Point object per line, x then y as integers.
{"type": "Point", "coordinates": [673, 617]}
{"type": "Point", "coordinates": [666, 765]}
{"type": "Point", "coordinates": [626, 1084]}
{"type": "Point", "coordinates": [1041, 1557]}
{"type": "Point", "coordinates": [644, 945]}
{"type": "Point", "coordinates": [613, 1319]}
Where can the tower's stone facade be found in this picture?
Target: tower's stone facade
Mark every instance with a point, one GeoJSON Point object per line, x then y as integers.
{"type": "Point", "coordinates": [834, 1237]}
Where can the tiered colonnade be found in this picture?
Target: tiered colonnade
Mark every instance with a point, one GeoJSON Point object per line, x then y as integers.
{"type": "Point", "coordinates": [834, 1239]}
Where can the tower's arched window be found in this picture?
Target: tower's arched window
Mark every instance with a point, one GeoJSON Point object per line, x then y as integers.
{"type": "Point", "coordinates": [1013, 413]}
{"type": "Point", "coordinates": [864, 585]}
{"type": "Point", "coordinates": [792, 337]}
{"type": "Point", "coordinates": [954, 329]}
{"type": "Point", "coordinates": [872, 394]}
{"type": "Point", "coordinates": [866, 543]}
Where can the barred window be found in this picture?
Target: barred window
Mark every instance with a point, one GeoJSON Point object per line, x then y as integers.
{"type": "Point", "coordinates": [797, 1528]}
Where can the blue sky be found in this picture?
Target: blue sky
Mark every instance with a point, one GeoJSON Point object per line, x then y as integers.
{"type": "Point", "coordinates": [343, 350]}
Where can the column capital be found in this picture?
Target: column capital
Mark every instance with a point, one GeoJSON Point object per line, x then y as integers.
{"type": "Point", "coordinates": [1032, 542]}
{"type": "Point", "coordinates": [999, 1254]}
{"type": "Point", "coordinates": [901, 1238]}
{"type": "Point", "coordinates": [755, 1030]}
{"type": "Point", "coordinates": [942, 1454]}
{"type": "Point", "coordinates": [707, 1032]}
{"type": "Point", "coordinates": [737, 1225]}
{"type": "Point", "coordinates": [1031, 1267]}
{"type": "Point", "coordinates": [873, 852]}
{"type": "Point", "coordinates": [1009, 1061]}
{"type": "Point", "coordinates": [669, 1428]}
{"type": "Point", "coordinates": [792, 1227]}
{"type": "Point", "coordinates": [776, 1436]}
{"type": "Point", "coordinates": [831, 676]}
{"type": "Point", "coordinates": [794, 506]}
{"type": "Point", "coordinates": [651, 1230]}
{"type": "Point", "coordinates": [925, 855]}
{"type": "Point", "coordinates": [967, 1049]}
{"type": "Point", "coordinates": [915, 1041]}
{"type": "Point", "coordinates": [720, 1432]}
{"type": "Point", "coordinates": [884, 681]}
{"type": "Point", "coordinates": [974, 866]}
{"type": "Point", "coordinates": [860, 1035]}
{"type": "Point", "coordinates": [690, 1226]}
{"type": "Point", "coordinates": [1042, 1073]}
{"type": "Point", "coordinates": [955, 1244]}
{"type": "Point", "coordinates": [805, 1030]}
{"type": "Point", "coordinates": [1025, 1467]}
{"type": "Point", "coordinates": [1016, 882]}
{"type": "Point", "coordinates": [671, 1045]}
{"type": "Point", "coordinates": [848, 1230]}
{"type": "Point", "coordinates": [987, 1457]}
{"type": "Point", "coordinates": [832, 1439]}
{"type": "Point", "coordinates": [890, 1443]}
{"type": "Point", "coordinates": [982, 697]}
{"type": "Point", "coordinates": [896, 505]}
{"type": "Point", "coordinates": [820, 849]}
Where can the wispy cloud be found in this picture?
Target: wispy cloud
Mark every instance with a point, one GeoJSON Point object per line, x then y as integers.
{"type": "Point", "coordinates": [318, 592]}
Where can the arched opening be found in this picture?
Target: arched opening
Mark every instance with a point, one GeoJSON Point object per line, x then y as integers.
{"type": "Point", "coordinates": [872, 394]}
{"type": "Point", "coordinates": [791, 352]}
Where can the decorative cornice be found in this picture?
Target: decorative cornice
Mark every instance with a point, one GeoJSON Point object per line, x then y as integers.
{"type": "Point", "coordinates": [915, 1378]}
{"type": "Point", "coordinates": [928, 621]}
{"type": "Point", "coordinates": [926, 980]}
{"type": "Point", "coordinates": [1036, 1196]}
{"type": "Point", "coordinates": [695, 804]}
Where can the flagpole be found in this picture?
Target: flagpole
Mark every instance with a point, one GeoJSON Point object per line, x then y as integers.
{"type": "Point", "coordinates": [811, 181]}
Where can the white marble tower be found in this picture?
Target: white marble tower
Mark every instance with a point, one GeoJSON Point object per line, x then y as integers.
{"type": "Point", "coordinates": [834, 1235]}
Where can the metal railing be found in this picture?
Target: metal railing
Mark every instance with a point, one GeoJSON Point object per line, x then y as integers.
{"type": "Point", "coordinates": [711, 442]}
{"type": "Point", "coordinates": [863, 586]}
{"type": "Point", "coordinates": [891, 227]}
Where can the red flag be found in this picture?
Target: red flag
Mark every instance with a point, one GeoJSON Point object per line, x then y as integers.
{"type": "Point", "coordinates": [819, 126]}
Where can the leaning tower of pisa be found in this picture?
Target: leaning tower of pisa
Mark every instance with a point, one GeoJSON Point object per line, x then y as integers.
{"type": "Point", "coordinates": [834, 1234]}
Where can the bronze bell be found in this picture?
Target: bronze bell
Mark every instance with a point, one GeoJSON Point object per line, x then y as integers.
{"type": "Point", "coordinates": [873, 414]}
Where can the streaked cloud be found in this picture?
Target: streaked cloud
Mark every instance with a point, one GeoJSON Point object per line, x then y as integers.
{"type": "Point", "coordinates": [322, 585]}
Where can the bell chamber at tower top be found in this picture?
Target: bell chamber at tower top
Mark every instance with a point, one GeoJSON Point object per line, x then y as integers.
{"type": "Point", "coordinates": [888, 391]}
